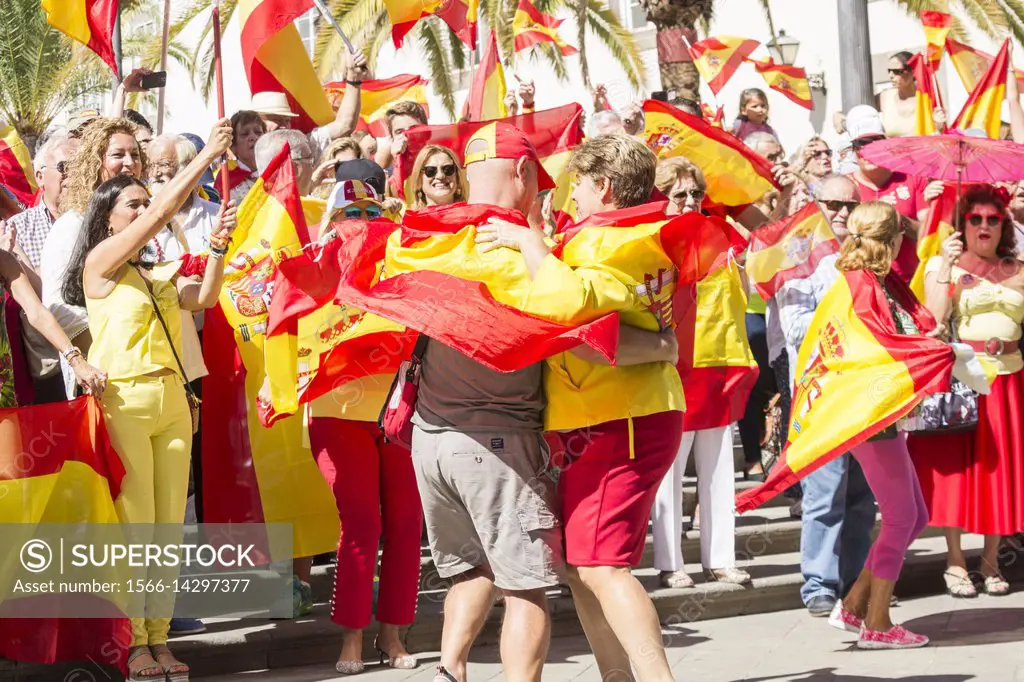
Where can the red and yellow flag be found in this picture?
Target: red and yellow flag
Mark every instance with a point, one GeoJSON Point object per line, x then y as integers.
{"type": "Point", "coordinates": [16, 165]}
{"type": "Point", "coordinates": [852, 350]}
{"type": "Point", "coordinates": [257, 474]}
{"type": "Point", "coordinates": [276, 60]}
{"type": "Point", "coordinates": [57, 466]}
{"type": "Point", "coordinates": [554, 132]}
{"type": "Point", "coordinates": [237, 174]}
{"type": "Point", "coordinates": [486, 98]}
{"type": "Point", "coordinates": [789, 249]}
{"type": "Point", "coordinates": [934, 230]}
{"type": "Point", "coordinates": [460, 15]}
{"type": "Point", "coordinates": [715, 117]}
{"type": "Point", "coordinates": [927, 95]}
{"type": "Point", "coordinates": [791, 81]}
{"type": "Point", "coordinates": [378, 95]}
{"type": "Point", "coordinates": [936, 28]}
{"type": "Point", "coordinates": [90, 22]}
{"type": "Point", "coordinates": [736, 175]}
{"type": "Point", "coordinates": [531, 26]}
{"type": "Point", "coordinates": [984, 106]}
{"type": "Point", "coordinates": [717, 58]}
{"type": "Point", "coordinates": [971, 64]}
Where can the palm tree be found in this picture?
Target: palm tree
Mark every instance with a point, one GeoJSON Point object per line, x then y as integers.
{"type": "Point", "coordinates": [995, 18]}
{"type": "Point", "coordinates": [366, 23]}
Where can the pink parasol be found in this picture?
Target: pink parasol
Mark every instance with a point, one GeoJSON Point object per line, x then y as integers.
{"type": "Point", "coordinates": [953, 156]}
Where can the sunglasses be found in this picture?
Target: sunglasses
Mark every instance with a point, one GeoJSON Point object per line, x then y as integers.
{"type": "Point", "coordinates": [62, 167]}
{"type": "Point", "coordinates": [695, 194]}
{"type": "Point", "coordinates": [822, 154]}
{"type": "Point", "coordinates": [899, 72]}
{"type": "Point", "coordinates": [366, 213]}
{"type": "Point", "coordinates": [860, 144]}
{"type": "Point", "coordinates": [447, 170]}
{"type": "Point", "coordinates": [976, 220]}
{"type": "Point", "coordinates": [837, 205]}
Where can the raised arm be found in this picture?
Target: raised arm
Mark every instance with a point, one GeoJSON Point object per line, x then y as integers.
{"type": "Point", "coordinates": [204, 294]}
{"type": "Point", "coordinates": [348, 111]}
{"type": "Point", "coordinates": [636, 347]}
{"type": "Point", "coordinates": [113, 252]}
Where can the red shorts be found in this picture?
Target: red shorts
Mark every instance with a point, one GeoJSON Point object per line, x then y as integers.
{"type": "Point", "coordinates": [606, 496]}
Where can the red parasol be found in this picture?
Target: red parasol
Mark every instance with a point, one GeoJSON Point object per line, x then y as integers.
{"type": "Point", "coordinates": [953, 156]}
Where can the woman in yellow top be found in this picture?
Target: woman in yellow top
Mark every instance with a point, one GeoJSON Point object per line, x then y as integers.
{"type": "Point", "coordinates": [974, 481]}
{"type": "Point", "coordinates": [145, 406]}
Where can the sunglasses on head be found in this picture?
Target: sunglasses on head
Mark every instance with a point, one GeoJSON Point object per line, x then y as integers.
{"type": "Point", "coordinates": [976, 220]}
{"type": "Point", "coordinates": [837, 205]}
{"type": "Point", "coordinates": [361, 213]}
{"type": "Point", "coordinates": [447, 170]}
{"type": "Point", "coordinates": [860, 144]}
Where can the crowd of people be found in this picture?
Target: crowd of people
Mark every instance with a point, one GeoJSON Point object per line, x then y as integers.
{"type": "Point", "coordinates": [105, 274]}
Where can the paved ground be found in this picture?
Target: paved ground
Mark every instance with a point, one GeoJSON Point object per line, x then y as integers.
{"type": "Point", "coordinates": [981, 639]}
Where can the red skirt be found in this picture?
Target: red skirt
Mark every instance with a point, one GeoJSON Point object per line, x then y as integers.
{"type": "Point", "coordinates": [975, 480]}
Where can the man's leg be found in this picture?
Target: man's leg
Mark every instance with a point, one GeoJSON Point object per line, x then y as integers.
{"type": "Point", "coordinates": [824, 505]}
{"type": "Point", "coordinates": [612, 659]}
{"type": "Point", "coordinates": [465, 612]}
{"type": "Point", "coordinates": [631, 615]}
{"type": "Point", "coordinates": [525, 635]}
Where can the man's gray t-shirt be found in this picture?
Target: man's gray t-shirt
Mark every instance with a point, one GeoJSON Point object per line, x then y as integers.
{"type": "Point", "coordinates": [458, 393]}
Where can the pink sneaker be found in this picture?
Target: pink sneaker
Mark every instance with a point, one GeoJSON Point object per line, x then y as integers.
{"type": "Point", "coordinates": [897, 638]}
{"type": "Point", "coordinates": [841, 619]}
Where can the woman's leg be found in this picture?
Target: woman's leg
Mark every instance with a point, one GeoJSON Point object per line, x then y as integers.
{"type": "Point", "coordinates": [402, 518]}
{"type": "Point", "coordinates": [667, 513]}
{"type": "Point", "coordinates": [716, 486]}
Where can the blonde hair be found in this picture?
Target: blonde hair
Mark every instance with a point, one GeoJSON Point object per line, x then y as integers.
{"type": "Point", "coordinates": [87, 165]}
{"type": "Point", "coordinates": [340, 145]}
{"type": "Point", "coordinates": [672, 170]}
{"type": "Point", "coordinates": [627, 163]}
{"type": "Point", "coordinates": [874, 228]}
{"type": "Point", "coordinates": [419, 199]}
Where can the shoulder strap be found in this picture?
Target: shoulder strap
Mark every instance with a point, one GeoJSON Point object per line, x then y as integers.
{"type": "Point", "coordinates": [420, 348]}
{"type": "Point", "coordinates": [167, 332]}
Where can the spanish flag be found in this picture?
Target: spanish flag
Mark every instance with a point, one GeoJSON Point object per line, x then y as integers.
{"type": "Point", "coordinates": [57, 466]}
{"type": "Point", "coordinates": [16, 166]}
{"type": "Point", "coordinates": [258, 475]}
{"type": "Point", "coordinates": [853, 351]}
{"type": "Point", "coordinates": [935, 229]}
{"type": "Point", "coordinates": [715, 117]}
{"type": "Point", "coordinates": [927, 95]}
{"type": "Point", "coordinates": [460, 15]}
{"type": "Point", "coordinates": [378, 95]}
{"type": "Point", "coordinates": [971, 64]}
{"type": "Point", "coordinates": [936, 28]}
{"type": "Point", "coordinates": [90, 22]}
{"type": "Point", "coordinates": [554, 133]}
{"type": "Point", "coordinates": [531, 26]}
{"type": "Point", "coordinates": [276, 60]}
{"type": "Point", "coordinates": [984, 106]}
{"type": "Point", "coordinates": [717, 58]}
{"type": "Point", "coordinates": [486, 98]}
{"type": "Point", "coordinates": [736, 175]}
{"type": "Point", "coordinates": [789, 249]}
{"type": "Point", "coordinates": [237, 174]}
{"type": "Point", "coordinates": [791, 81]}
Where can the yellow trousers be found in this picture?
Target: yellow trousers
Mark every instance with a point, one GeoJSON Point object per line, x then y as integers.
{"type": "Point", "coordinates": [150, 426]}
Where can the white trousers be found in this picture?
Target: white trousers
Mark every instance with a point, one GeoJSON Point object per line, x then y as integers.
{"type": "Point", "coordinates": [716, 486]}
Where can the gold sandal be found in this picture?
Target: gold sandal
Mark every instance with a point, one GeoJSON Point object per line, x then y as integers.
{"type": "Point", "coordinates": [959, 585]}
{"type": "Point", "coordinates": [146, 673]}
{"type": "Point", "coordinates": [174, 672]}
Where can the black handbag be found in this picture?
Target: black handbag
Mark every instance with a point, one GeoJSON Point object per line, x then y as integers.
{"type": "Point", "coordinates": [949, 412]}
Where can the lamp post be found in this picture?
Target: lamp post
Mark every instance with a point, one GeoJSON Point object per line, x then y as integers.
{"type": "Point", "coordinates": [855, 53]}
{"type": "Point", "coordinates": [783, 48]}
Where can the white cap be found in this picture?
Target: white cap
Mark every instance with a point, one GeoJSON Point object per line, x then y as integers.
{"type": "Point", "coordinates": [272, 104]}
{"type": "Point", "coordinates": [864, 121]}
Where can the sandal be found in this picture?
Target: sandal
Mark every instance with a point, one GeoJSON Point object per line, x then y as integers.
{"type": "Point", "coordinates": [678, 580]}
{"type": "Point", "coordinates": [443, 675]}
{"type": "Point", "coordinates": [959, 585]}
{"type": "Point", "coordinates": [173, 669]}
{"type": "Point", "coordinates": [996, 586]}
{"type": "Point", "coordinates": [145, 673]}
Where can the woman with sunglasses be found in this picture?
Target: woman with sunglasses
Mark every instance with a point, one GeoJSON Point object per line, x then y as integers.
{"type": "Point", "coordinates": [374, 486]}
{"type": "Point", "coordinates": [899, 103]}
{"type": "Point", "coordinates": [974, 481]}
{"type": "Point", "coordinates": [438, 178]}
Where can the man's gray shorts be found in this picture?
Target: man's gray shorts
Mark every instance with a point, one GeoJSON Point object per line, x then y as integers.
{"type": "Point", "coordinates": [489, 502]}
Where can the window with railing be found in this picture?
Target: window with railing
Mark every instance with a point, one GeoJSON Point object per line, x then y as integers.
{"type": "Point", "coordinates": [306, 25]}
{"type": "Point", "coordinates": [632, 14]}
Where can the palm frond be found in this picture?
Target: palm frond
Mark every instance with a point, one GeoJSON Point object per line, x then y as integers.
{"type": "Point", "coordinates": [432, 41]}
{"type": "Point", "coordinates": [987, 16]}
{"type": "Point", "coordinates": [618, 40]}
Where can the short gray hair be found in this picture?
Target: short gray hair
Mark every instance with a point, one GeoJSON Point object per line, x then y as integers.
{"type": "Point", "coordinates": [269, 145]}
{"type": "Point", "coordinates": [51, 143]}
{"type": "Point", "coordinates": [760, 137]}
{"type": "Point", "coordinates": [183, 147]}
{"type": "Point", "coordinates": [604, 117]}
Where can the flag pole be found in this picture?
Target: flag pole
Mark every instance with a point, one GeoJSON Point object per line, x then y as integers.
{"type": "Point", "coordinates": [326, 14]}
{"type": "Point", "coordinates": [218, 72]}
{"type": "Point", "coordinates": [161, 95]}
{"type": "Point", "coordinates": [115, 43]}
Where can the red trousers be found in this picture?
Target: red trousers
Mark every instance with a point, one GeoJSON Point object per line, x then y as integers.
{"type": "Point", "coordinates": [374, 486]}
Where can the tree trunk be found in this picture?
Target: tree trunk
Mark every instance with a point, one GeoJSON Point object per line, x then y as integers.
{"type": "Point", "coordinates": [681, 77]}
{"type": "Point", "coordinates": [672, 18]}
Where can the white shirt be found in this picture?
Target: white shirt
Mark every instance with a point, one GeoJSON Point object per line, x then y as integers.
{"type": "Point", "coordinates": [58, 251]}
{"type": "Point", "coordinates": [195, 229]}
{"type": "Point", "coordinates": [319, 140]}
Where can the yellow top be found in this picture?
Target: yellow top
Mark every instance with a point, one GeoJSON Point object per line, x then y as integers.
{"type": "Point", "coordinates": [986, 310]}
{"type": "Point", "coordinates": [127, 338]}
{"type": "Point", "coordinates": [756, 304]}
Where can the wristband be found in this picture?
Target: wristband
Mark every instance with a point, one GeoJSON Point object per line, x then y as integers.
{"type": "Point", "coordinates": [355, 83]}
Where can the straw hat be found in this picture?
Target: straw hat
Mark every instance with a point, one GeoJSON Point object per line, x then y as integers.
{"type": "Point", "coordinates": [272, 104]}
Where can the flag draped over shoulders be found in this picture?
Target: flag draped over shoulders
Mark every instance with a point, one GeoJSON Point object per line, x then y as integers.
{"type": "Point", "coordinates": [853, 348]}
{"type": "Point", "coordinates": [257, 474]}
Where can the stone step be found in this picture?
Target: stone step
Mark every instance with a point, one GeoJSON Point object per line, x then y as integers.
{"type": "Point", "coordinates": [244, 645]}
